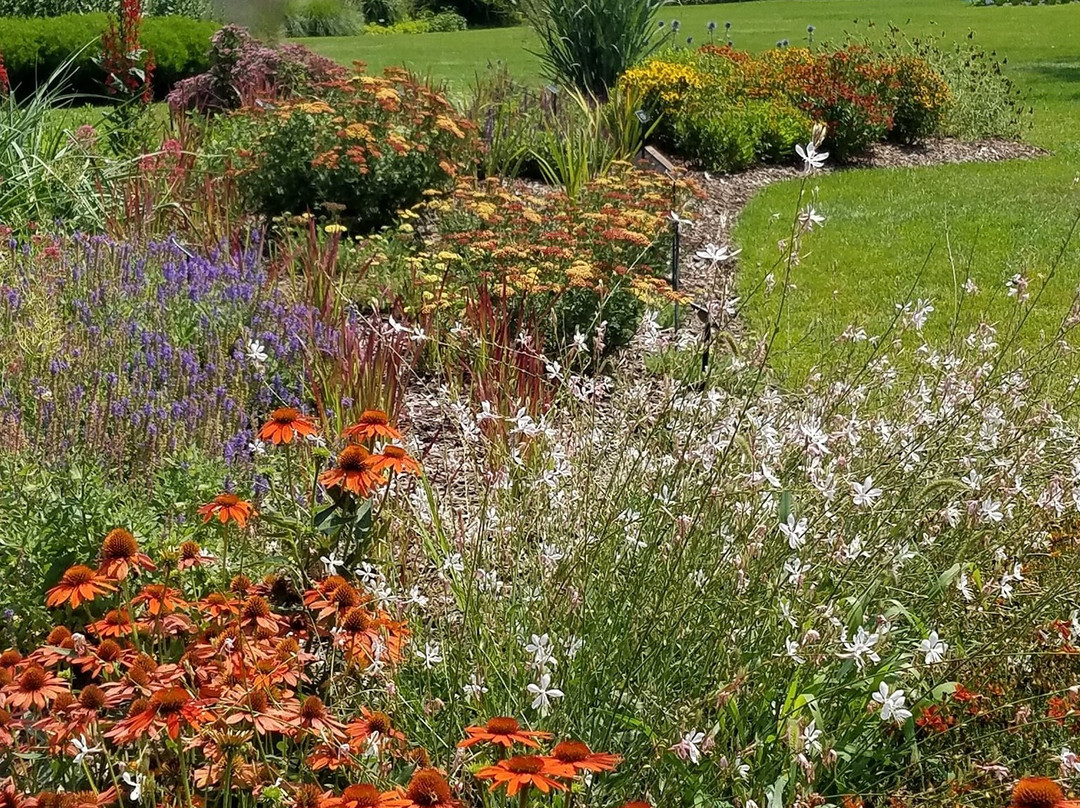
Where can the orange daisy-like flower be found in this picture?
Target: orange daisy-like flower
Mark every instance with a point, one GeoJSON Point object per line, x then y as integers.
{"type": "Point", "coordinates": [312, 716]}
{"type": "Point", "coordinates": [192, 555]}
{"type": "Point", "coordinates": [372, 424]}
{"type": "Point", "coordinates": [115, 623]}
{"type": "Point", "coordinates": [168, 709]}
{"type": "Point", "coordinates": [35, 687]}
{"type": "Point", "coordinates": [1037, 792]}
{"type": "Point", "coordinates": [285, 424]}
{"type": "Point", "coordinates": [502, 731]}
{"type": "Point", "coordinates": [355, 471]}
{"type": "Point", "coordinates": [78, 585]}
{"type": "Point", "coordinates": [580, 758]}
{"type": "Point", "coordinates": [524, 771]}
{"type": "Point", "coordinates": [363, 795]}
{"type": "Point", "coordinates": [226, 507]}
{"type": "Point", "coordinates": [426, 789]}
{"type": "Point", "coordinates": [396, 459]}
{"type": "Point", "coordinates": [160, 599]}
{"type": "Point", "coordinates": [120, 555]}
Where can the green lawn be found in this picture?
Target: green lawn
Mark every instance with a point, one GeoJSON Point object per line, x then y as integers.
{"type": "Point", "coordinates": [889, 232]}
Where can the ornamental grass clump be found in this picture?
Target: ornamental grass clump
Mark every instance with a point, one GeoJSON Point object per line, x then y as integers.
{"type": "Point", "coordinates": [588, 44]}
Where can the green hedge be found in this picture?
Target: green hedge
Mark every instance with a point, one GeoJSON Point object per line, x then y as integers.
{"type": "Point", "coordinates": [33, 48]}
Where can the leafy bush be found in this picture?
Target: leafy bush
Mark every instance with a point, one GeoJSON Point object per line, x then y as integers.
{"type": "Point", "coordinates": [588, 44]}
{"type": "Point", "coordinates": [921, 100]}
{"type": "Point", "coordinates": [323, 18]}
{"type": "Point", "coordinates": [240, 67]}
{"type": "Point", "coordinates": [478, 13]}
{"type": "Point", "coordinates": [426, 23]}
{"type": "Point", "coordinates": [720, 106]}
{"type": "Point", "coordinates": [364, 147]}
{"type": "Point", "coordinates": [193, 9]}
{"type": "Point", "coordinates": [36, 48]}
{"type": "Point", "coordinates": [387, 12]}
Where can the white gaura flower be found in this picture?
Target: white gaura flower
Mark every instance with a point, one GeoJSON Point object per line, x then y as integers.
{"type": "Point", "coordinates": [933, 649]}
{"type": "Point", "coordinates": [794, 531]}
{"type": "Point", "coordinates": [809, 218]}
{"type": "Point", "coordinates": [689, 746]}
{"type": "Point", "coordinates": [715, 254]}
{"type": "Point", "coordinates": [990, 510]}
{"type": "Point", "coordinates": [864, 494]}
{"type": "Point", "coordinates": [542, 650]}
{"type": "Point", "coordinates": [1070, 762]}
{"type": "Point", "coordinates": [811, 157]}
{"type": "Point", "coordinates": [791, 648]}
{"type": "Point", "coordinates": [892, 704]}
{"type": "Point", "coordinates": [135, 783]}
{"type": "Point", "coordinates": [475, 689]}
{"type": "Point", "coordinates": [811, 737]}
{"type": "Point", "coordinates": [83, 750]}
{"type": "Point", "coordinates": [431, 655]}
{"type": "Point", "coordinates": [543, 694]}
{"type": "Point", "coordinates": [964, 586]}
{"type": "Point", "coordinates": [331, 562]}
{"type": "Point", "coordinates": [860, 647]}
{"type": "Point", "coordinates": [256, 352]}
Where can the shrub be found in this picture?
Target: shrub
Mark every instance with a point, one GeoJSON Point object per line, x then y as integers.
{"type": "Point", "coordinates": [722, 140]}
{"type": "Point", "coordinates": [193, 9]}
{"type": "Point", "coordinates": [921, 100]}
{"type": "Point", "coordinates": [588, 44]}
{"type": "Point", "coordinates": [35, 48]}
{"type": "Point", "coordinates": [424, 24]}
{"type": "Point", "coordinates": [387, 12]}
{"type": "Point", "coordinates": [240, 67]}
{"type": "Point", "coordinates": [479, 13]}
{"type": "Point", "coordinates": [365, 147]}
{"type": "Point", "coordinates": [323, 18]}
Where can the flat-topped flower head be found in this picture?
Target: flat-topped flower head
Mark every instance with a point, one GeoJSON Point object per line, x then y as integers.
{"type": "Point", "coordinates": [120, 555]}
{"type": "Point", "coordinates": [78, 585]}
{"type": "Point", "coordinates": [502, 731]}
{"type": "Point", "coordinates": [227, 507]}
{"type": "Point", "coordinates": [355, 471]}
{"type": "Point", "coordinates": [525, 771]}
{"type": "Point", "coordinates": [372, 424]}
{"type": "Point", "coordinates": [285, 425]}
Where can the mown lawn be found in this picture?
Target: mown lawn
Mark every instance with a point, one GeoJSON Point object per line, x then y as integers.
{"type": "Point", "coordinates": [890, 233]}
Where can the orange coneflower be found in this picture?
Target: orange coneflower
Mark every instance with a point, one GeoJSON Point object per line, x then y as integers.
{"type": "Point", "coordinates": [160, 599]}
{"type": "Point", "coordinates": [524, 771]}
{"type": "Point", "coordinates": [502, 731]}
{"type": "Point", "coordinates": [77, 585]}
{"type": "Point", "coordinates": [1037, 792]}
{"type": "Point", "coordinates": [362, 795]}
{"type": "Point", "coordinates": [226, 507]}
{"type": "Point", "coordinates": [312, 716]}
{"type": "Point", "coordinates": [355, 471]}
{"type": "Point", "coordinates": [372, 424]}
{"type": "Point", "coordinates": [637, 804]}
{"type": "Point", "coordinates": [426, 789]}
{"type": "Point", "coordinates": [285, 424]}
{"type": "Point", "coordinates": [115, 623]}
{"type": "Point", "coordinates": [309, 795]}
{"type": "Point", "coordinates": [35, 687]}
{"type": "Point", "coordinates": [192, 555]}
{"type": "Point", "coordinates": [581, 758]}
{"type": "Point", "coordinates": [169, 709]}
{"type": "Point", "coordinates": [396, 459]}
{"type": "Point", "coordinates": [256, 613]}
{"type": "Point", "coordinates": [120, 555]}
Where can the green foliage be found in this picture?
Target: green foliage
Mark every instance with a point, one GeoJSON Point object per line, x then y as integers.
{"type": "Point", "coordinates": [479, 13]}
{"type": "Point", "coordinates": [36, 48]}
{"type": "Point", "coordinates": [588, 44]}
{"type": "Point", "coordinates": [46, 172]}
{"type": "Point", "coordinates": [364, 149]}
{"type": "Point", "coordinates": [194, 9]}
{"type": "Point", "coordinates": [323, 18]}
{"type": "Point", "coordinates": [426, 23]}
{"type": "Point", "coordinates": [387, 12]}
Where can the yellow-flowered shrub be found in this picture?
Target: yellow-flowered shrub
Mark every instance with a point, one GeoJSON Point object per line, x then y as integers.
{"type": "Point", "coordinates": [663, 82]}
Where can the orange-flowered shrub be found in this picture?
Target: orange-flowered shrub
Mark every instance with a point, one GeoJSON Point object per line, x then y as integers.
{"type": "Point", "coordinates": [360, 148]}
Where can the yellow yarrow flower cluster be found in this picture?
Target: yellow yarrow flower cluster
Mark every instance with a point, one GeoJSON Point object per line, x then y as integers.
{"type": "Point", "coordinates": [667, 81]}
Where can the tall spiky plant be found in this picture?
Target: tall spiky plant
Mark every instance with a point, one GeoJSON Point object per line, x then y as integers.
{"type": "Point", "coordinates": [587, 44]}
